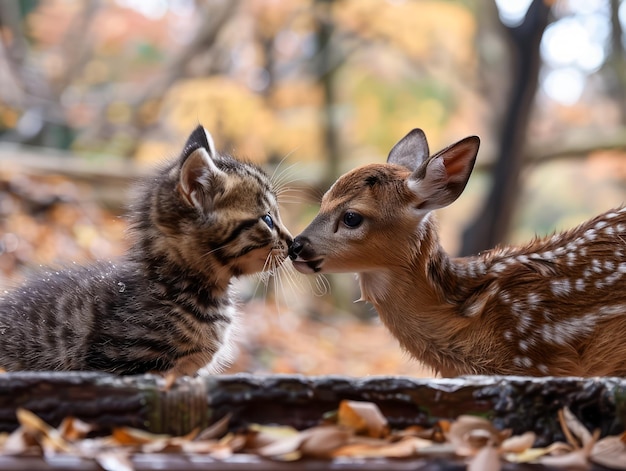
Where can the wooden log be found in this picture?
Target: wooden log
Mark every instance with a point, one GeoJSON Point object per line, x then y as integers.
{"type": "Point", "coordinates": [108, 401]}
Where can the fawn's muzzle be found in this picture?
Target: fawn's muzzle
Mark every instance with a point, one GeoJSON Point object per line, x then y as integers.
{"type": "Point", "coordinates": [296, 247]}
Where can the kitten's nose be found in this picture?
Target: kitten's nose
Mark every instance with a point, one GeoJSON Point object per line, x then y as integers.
{"type": "Point", "coordinates": [295, 248]}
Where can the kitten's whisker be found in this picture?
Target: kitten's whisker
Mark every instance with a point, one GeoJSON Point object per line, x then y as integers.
{"type": "Point", "coordinates": [289, 154]}
{"type": "Point", "coordinates": [322, 284]}
{"type": "Point", "coordinates": [285, 180]}
{"type": "Point", "coordinates": [289, 271]}
{"type": "Point", "coordinates": [292, 201]}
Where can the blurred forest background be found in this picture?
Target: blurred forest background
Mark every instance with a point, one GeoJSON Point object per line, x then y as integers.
{"type": "Point", "coordinates": [93, 93]}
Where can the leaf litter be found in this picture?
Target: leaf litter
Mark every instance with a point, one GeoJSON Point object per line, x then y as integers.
{"type": "Point", "coordinates": [356, 430]}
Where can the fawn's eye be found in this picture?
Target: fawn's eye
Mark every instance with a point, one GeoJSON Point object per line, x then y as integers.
{"type": "Point", "coordinates": [352, 219]}
{"type": "Point", "coordinates": [267, 219]}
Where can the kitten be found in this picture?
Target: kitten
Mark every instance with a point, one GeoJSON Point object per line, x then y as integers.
{"type": "Point", "coordinates": [166, 306]}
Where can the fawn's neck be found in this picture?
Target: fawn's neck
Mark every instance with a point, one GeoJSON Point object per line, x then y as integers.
{"type": "Point", "coordinates": [420, 298]}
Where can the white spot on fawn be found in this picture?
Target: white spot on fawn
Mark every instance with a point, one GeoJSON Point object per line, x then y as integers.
{"type": "Point", "coordinates": [499, 267]}
{"type": "Point", "coordinates": [590, 235]}
{"type": "Point", "coordinates": [571, 259]}
{"type": "Point", "coordinates": [525, 322]}
{"type": "Point", "coordinates": [580, 284]}
{"type": "Point", "coordinates": [612, 278]}
{"type": "Point", "coordinates": [561, 287]}
{"type": "Point", "coordinates": [522, 362]}
{"type": "Point", "coordinates": [533, 300]}
{"type": "Point", "coordinates": [522, 259]}
{"type": "Point", "coordinates": [596, 266]}
{"type": "Point", "coordinates": [564, 331]}
{"type": "Point", "coordinates": [616, 309]}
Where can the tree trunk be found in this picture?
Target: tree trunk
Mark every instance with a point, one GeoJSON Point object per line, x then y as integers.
{"type": "Point", "coordinates": [492, 224]}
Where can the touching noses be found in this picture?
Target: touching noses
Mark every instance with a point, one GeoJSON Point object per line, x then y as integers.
{"type": "Point", "coordinates": [296, 247]}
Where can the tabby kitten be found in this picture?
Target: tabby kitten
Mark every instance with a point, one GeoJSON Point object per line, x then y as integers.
{"type": "Point", "coordinates": [166, 306]}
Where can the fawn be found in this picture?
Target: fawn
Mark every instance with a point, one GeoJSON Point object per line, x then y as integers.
{"type": "Point", "coordinates": [556, 306]}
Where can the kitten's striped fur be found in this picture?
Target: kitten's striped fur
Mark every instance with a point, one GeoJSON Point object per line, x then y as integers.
{"type": "Point", "coordinates": [166, 305]}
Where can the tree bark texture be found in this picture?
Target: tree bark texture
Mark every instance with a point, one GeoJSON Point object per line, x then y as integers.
{"type": "Point", "coordinates": [109, 401]}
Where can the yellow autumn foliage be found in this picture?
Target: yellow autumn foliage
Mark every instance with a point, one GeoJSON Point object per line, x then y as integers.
{"type": "Point", "coordinates": [414, 27]}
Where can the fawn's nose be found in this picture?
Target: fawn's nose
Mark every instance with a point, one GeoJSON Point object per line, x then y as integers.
{"type": "Point", "coordinates": [296, 247]}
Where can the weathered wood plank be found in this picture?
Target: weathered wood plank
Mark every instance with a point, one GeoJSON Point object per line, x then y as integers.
{"type": "Point", "coordinates": [510, 402]}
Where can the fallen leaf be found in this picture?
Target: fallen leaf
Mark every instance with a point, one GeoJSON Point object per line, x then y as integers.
{"type": "Point", "coordinates": [469, 434]}
{"type": "Point", "coordinates": [404, 448]}
{"type": "Point", "coordinates": [610, 452]}
{"type": "Point", "coordinates": [576, 460]}
{"type": "Point", "coordinates": [322, 440]}
{"type": "Point", "coordinates": [134, 436]}
{"type": "Point", "coordinates": [487, 459]}
{"type": "Point", "coordinates": [281, 446]}
{"type": "Point", "coordinates": [526, 456]}
{"type": "Point", "coordinates": [575, 432]}
{"type": "Point", "coordinates": [72, 429]}
{"type": "Point", "coordinates": [20, 443]}
{"type": "Point", "coordinates": [362, 417]}
{"type": "Point", "coordinates": [518, 443]}
{"type": "Point", "coordinates": [48, 437]}
{"type": "Point", "coordinates": [215, 430]}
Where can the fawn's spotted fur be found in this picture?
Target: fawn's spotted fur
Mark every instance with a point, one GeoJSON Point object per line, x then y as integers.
{"type": "Point", "coordinates": [554, 307]}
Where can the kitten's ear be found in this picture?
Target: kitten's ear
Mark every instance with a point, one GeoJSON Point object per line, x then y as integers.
{"type": "Point", "coordinates": [200, 137]}
{"type": "Point", "coordinates": [410, 151]}
{"type": "Point", "coordinates": [198, 176]}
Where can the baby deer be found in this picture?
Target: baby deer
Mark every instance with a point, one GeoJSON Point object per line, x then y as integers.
{"type": "Point", "coordinates": [556, 306]}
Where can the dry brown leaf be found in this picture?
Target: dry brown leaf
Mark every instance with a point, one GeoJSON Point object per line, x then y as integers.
{"type": "Point", "coordinates": [576, 460]}
{"type": "Point", "coordinates": [282, 447]}
{"type": "Point", "coordinates": [487, 459]}
{"type": "Point", "coordinates": [72, 429]}
{"type": "Point", "coordinates": [322, 440]}
{"type": "Point", "coordinates": [526, 456]}
{"type": "Point", "coordinates": [404, 448]}
{"type": "Point", "coordinates": [469, 434]}
{"type": "Point", "coordinates": [575, 432]}
{"type": "Point", "coordinates": [444, 425]}
{"type": "Point", "coordinates": [19, 443]}
{"type": "Point", "coordinates": [235, 442]}
{"type": "Point", "coordinates": [134, 436]}
{"type": "Point", "coordinates": [518, 443]}
{"type": "Point", "coordinates": [413, 431]}
{"type": "Point", "coordinates": [610, 452]}
{"type": "Point", "coordinates": [48, 437]}
{"type": "Point", "coordinates": [262, 435]}
{"type": "Point", "coordinates": [215, 430]}
{"type": "Point", "coordinates": [363, 417]}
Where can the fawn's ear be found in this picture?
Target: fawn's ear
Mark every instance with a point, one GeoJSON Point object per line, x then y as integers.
{"type": "Point", "coordinates": [200, 179]}
{"type": "Point", "coordinates": [442, 178]}
{"type": "Point", "coordinates": [410, 151]}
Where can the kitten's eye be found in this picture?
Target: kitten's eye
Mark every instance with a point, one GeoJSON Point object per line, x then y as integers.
{"type": "Point", "coordinates": [352, 219]}
{"type": "Point", "coordinates": [267, 219]}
